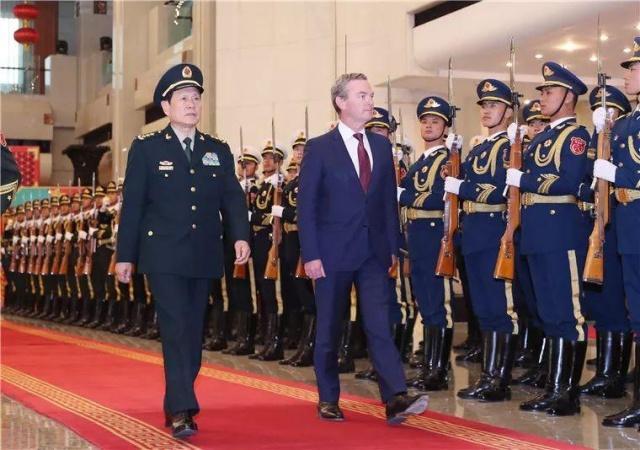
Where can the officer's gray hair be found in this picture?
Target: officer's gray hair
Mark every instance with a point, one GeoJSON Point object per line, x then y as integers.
{"type": "Point", "coordinates": [339, 88]}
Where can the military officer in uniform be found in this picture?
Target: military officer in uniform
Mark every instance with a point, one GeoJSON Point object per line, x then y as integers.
{"type": "Point", "coordinates": [178, 182]}
{"type": "Point", "coordinates": [605, 303]}
{"type": "Point", "coordinates": [483, 224]}
{"type": "Point", "coordinates": [624, 172]}
{"type": "Point", "coordinates": [554, 167]}
{"type": "Point", "coordinates": [421, 192]}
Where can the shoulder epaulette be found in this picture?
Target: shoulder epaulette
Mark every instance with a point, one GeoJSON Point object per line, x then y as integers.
{"type": "Point", "coordinates": [142, 137]}
{"type": "Point", "coordinates": [215, 138]}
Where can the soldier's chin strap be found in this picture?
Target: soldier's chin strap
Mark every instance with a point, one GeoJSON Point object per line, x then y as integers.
{"type": "Point", "coordinates": [501, 117]}
{"type": "Point", "coordinates": [566, 91]}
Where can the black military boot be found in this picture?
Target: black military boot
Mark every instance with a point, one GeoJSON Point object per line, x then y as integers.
{"type": "Point", "coordinates": [56, 304]}
{"type": "Point", "coordinates": [417, 358]}
{"type": "Point", "coordinates": [294, 329]}
{"type": "Point", "coordinates": [63, 311]}
{"type": "Point", "coordinates": [245, 334]}
{"type": "Point", "coordinates": [97, 314]}
{"type": "Point", "coordinates": [153, 332]}
{"type": "Point", "coordinates": [537, 376]}
{"type": "Point", "coordinates": [110, 318]}
{"type": "Point", "coordinates": [498, 355]}
{"type": "Point", "coordinates": [125, 323]}
{"type": "Point", "coordinates": [630, 416]}
{"type": "Point", "coordinates": [614, 352]}
{"type": "Point", "coordinates": [85, 314]}
{"type": "Point", "coordinates": [438, 340]}
{"type": "Point", "coordinates": [303, 357]}
{"type": "Point", "coordinates": [425, 355]}
{"type": "Point", "coordinates": [529, 342]}
{"type": "Point", "coordinates": [46, 308]}
{"type": "Point", "coordinates": [406, 341]}
{"type": "Point", "coordinates": [345, 352]}
{"type": "Point", "coordinates": [274, 347]}
{"type": "Point", "coordinates": [562, 397]}
{"type": "Point", "coordinates": [74, 311]}
{"type": "Point", "coordinates": [216, 339]}
{"type": "Point", "coordinates": [139, 316]}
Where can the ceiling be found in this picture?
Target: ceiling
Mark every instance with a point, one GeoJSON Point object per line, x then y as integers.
{"type": "Point", "coordinates": [477, 38]}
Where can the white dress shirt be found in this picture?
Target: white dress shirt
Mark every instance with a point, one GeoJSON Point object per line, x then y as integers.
{"type": "Point", "coordinates": [352, 145]}
{"type": "Point", "coordinates": [557, 122]}
{"type": "Point", "coordinates": [429, 151]}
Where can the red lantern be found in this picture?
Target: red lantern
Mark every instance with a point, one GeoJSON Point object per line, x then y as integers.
{"type": "Point", "coordinates": [25, 11]}
{"type": "Point", "coordinates": [26, 36]}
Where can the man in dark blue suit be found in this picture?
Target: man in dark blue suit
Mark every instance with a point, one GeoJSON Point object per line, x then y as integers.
{"type": "Point", "coordinates": [179, 182]}
{"type": "Point", "coordinates": [348, 226]}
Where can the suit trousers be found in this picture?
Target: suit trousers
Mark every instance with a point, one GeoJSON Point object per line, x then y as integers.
{"type": "Point", "coordinates": [332, 295]}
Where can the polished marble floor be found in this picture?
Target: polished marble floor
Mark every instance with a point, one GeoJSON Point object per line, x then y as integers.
{"type": "Point", "coordinates": [23, 429]}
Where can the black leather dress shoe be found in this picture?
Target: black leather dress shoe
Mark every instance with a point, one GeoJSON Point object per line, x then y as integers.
{"type": "Point", "coordinates": [330, 411]}
{"type": "Point", "coordinates": [183, 425]}
{"type": "Point", "coordinates": [401, 406]}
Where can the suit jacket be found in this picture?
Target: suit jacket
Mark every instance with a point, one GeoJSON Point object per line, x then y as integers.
{"type": "Point", "coordinates": [338, 222]}
{"type": "Point", "coordinates": [170, 220]}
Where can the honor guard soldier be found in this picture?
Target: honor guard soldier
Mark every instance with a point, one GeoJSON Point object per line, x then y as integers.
{"type": "Point", "coordinates": [101, 230]}
{"type": "Point", "coordinates": [71, 244]}
{"type": "Point", "coordinates": [303, 288]}
{"type": "Point", "coordinates": [85, 250]}
{"type": "Point", "coordinates": [10, 175]}
{"type": "Point", "coordinates": [8, 289]}
{"type": "Point", "coordinates": [553, 168]}
{"type": "Point", "coordinates": [243, 293]}
{"type": "Point", "coordinates": [50, 276]}
{"type": "Point", "coordinates": [14, 264]}
{"type": "Point", "coordinates": [421, 192]}
{"type": "Point", "coordinates": [624, 172]}
{"type": "Point", "coordinates": [262, 231]}
{"type": "Point", "coordinates": [483, 225]}
{"type": "Point", "coordinates": [605, 303]}
{"type": "Point", "coordinates": [531, 346]}
{"type": "Point", "coordinates": [114, 294]}
{"type": "Point", "coordinates": [179, 181]}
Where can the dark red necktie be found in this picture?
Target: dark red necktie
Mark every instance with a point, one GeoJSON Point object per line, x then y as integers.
{"type": "Point", "coordinates": [363, 162]}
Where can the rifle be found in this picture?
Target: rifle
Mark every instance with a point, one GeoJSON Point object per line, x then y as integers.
{"type": "Point", "coordinates": [594, 264]}
{"type": "Point", "coordinates": [91, 241]}
{"type": "Point", "coordinates": [45, 268]}
{"type": "Point", "coordinates": [300, 272]}
{"type": "Point", "coordinates": [37, 266]}
{"type": "Point", "coordinates": [57, 250]}
{"type": "Point", "coordinates": [446, 265]}
{"type": "Point", "coordinates": [64, 264]}
{"type": "Point", "coordinates": [33, 248]}
{"type": "Point", "coordinates": [505, 264]}
{"type": "Point", "coordinates": [24, 250]}
{"type": "Point", "coordinates": [240, 270]}
{"type": "Point", "coordinates": [15, 251]}
{"type": "Point", "coordinates": [112, 262]}
{"type": "Point", "coordinates": [271, 270]}
{"type": "Point", "coordinates": [393, 270]}
{"type": "Point", "coordinates": [406, 263]}
{"type": "Point", "coordinates": [82, 249]}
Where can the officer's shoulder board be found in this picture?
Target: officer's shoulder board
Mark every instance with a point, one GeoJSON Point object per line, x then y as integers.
{"type": "Point", "coordinates": [142, 137]}
{"type": "Point", "coordinates": [212, 138]}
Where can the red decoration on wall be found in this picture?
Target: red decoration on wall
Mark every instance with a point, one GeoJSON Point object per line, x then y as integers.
{"type": "Point", "coordinates": [28, 159]}
{"type": "Point", "coordinates": [26, 36]}
{"type": "Point", "coordinates": [27, 13]}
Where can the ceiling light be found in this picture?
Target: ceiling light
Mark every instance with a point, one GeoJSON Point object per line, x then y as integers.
{"type": "Point", "coordinates": [626, 50]}
{"type": "Point", "coordinates": [569, 46]}
{"type": "Point", "coordinates": [593, 58]}
{"type": "Point", "coordinates": [526, 102]}
{"type": "Point", "coordinates": [538, 56]}
{"type": "Point", "coordinates": [604, 37]}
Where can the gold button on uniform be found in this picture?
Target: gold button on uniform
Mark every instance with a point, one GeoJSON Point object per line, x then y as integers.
{"type": "Point", "coordinates": [193, 226]}
{"type": "Point", "coordinates": [193, 189]}
{"type": "Point", "coordinates": [193, 207]}
{"type": "Point", "coordinates": [149, 233]}
{"type": "Point", "coordinates": [552, 212]}
{"type": "Point", "coordinates": [192, 171]}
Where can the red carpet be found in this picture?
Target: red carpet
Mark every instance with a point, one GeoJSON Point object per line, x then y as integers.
{"type": "Point", "coordinates": [111, 396]}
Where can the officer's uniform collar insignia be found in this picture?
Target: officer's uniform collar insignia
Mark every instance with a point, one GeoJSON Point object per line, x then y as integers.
{"type": "Point", "coordinates": [201, 136]}
{"type": "Point", "coordinates": [210, 159]}
{"type": "Point", "coordinates": [488, 87]}
{"type": "Point", "coordinates": [167, 136]}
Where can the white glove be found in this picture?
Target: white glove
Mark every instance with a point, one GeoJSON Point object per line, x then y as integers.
{"type": "Point", "coordinates": [605, 170]}
{"type": "Point", "coordinates": [454, 139]}
{"type": "Point", "coordinates": [116, 207]}
{"type": "Point", "coordinates": [68, 236]}
{"type": "Point", "coordinates": [452, 185]}
{"type": "Point", "coordinates": [24, 240]}
{"type": "Point", "coordinates": [58, 236]}
{"type": "Point", "coordinates": [599, 117]}
{"type": "Point", "coordinates": [513, 177]}
{"type": "Point", "coordinates": [399, 192]}
{"type": "Point", "coordinates": [245, 185]}
{"type": "Point", "coordinates": [274, 179]}
{"type": "Point", "coordinates": [32, 238]}
{"type": "Point", "coordinates": [92, 231]}
{"type": "Point", "coordinates": [16, 239]}
{"type": "Point", "coordinates": [82, 235]}
{"type": "Point", "coordinates": [49, 238]}
{"type": "Point", "coordinates": [397, 154]}
{"type": "Point", "coordinates": [511, 132]}
{"type": "Point", "coordinates": [40, 239]}
{"type": "Point", "coordinates": [249, 216]}
{"type": "Point", "coordinates": [276, 211]}
{"type": "Point", "coordinates": [115, 228]}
